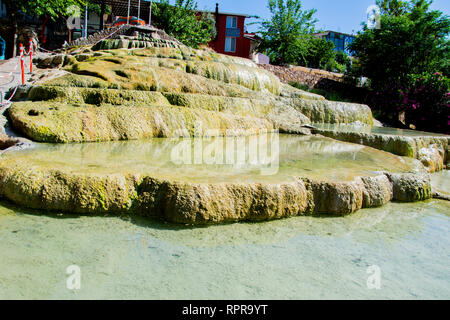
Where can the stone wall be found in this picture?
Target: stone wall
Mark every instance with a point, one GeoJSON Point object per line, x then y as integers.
{"type": "Point", "coordinates": [329, 82]}
{"type": "Point", "coordinates": [308, 76]}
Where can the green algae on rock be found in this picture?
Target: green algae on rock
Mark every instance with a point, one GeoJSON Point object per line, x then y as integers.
{"type": "Point", "coordinates": [164, 78]}
{"type": "Point", "coordinates": [61, 123]}
{"type": "Point", "coordinates": [276, 109]}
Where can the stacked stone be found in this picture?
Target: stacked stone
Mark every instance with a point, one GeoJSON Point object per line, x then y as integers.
{"type": "Point", "coordinates": [306, 76]}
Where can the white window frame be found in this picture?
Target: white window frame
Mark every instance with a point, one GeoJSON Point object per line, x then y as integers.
{"type": "Point", "coordinates": [232, 19]}
{"type": "Point", "coordinates": [230, 49]}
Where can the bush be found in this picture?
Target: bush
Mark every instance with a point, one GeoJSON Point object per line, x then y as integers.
{"type": "Point", "coordinates": [424, 101]}
{"type": "Point", "coordinates": [330, 95]}
{"type": "Point", "coordinates": [181, 21]}
{"type": "Point", "coordinates": [343, 62]}
{"type": "Point", "coordinates": [320, 54]}
{"type": "Point", "coordinates": [407, 62]}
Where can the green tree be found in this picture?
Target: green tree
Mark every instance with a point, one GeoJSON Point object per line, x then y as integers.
{"type": "Point", "coordinates": [285, 35]}
{"type": "Point", "coordinates": [50, 8]}
{"type": "Point", "coordinates": [393, 7]}
{"type": "Point", "coordinates": [409, 43]}
{"type": "Point", "coordinates": [343, 62]}
{"type": "Point", "coordinates": [320, 54]}
{"type": "Point", "coordinates": [412, 43]}
{"type": "Point", "coordinates": [182, 22]}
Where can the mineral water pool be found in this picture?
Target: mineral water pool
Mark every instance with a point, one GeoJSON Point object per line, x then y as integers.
{"type": "Point", "coordinates": [296, 258]}
{"type": "Point", "coordinates": [264, 158]}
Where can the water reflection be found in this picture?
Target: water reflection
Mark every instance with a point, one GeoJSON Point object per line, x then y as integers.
{"type": "Point", "coordinates": [296, 156]}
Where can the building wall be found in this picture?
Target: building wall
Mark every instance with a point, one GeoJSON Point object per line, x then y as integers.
{"type": "Point", "coordinates": [242, 44]}
{"type": "Point", "coordinates": [341, 41]}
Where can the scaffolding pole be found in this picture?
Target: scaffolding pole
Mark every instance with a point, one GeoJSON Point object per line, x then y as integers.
{"type": "Point", "coordinates": [86, 21]}
{"type": "Point", "coordinates": [139, 10]}
{"type": "Point", "coordinates": [128, 15]}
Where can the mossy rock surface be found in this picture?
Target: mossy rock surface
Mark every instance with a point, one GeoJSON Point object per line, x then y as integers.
{"type": "Point", "coordinates": [194, 85]}
{"type": "Point", "coordinates": [61, 123]}
{"type": "Point", "coordinates": [96, 96]}
{"type": "Point", "coordinates": [135, 88]}
{"type": "Point", "coordinates": [431, 149]}
{"type": "Point", "coordinates": [129, 71]}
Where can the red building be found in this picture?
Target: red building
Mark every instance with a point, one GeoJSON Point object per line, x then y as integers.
{"type": "Point", "coordinates": [231, 36]}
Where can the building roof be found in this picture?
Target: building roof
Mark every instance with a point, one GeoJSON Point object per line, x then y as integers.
{"type": "Point", "coordinates": [121, 7]}
{"type": "Point", "coordinates": [252, 37]}
{"type": "Point", "coordinates": [327, 32]}
{"type": "Point", "coordinates": [226, 13]}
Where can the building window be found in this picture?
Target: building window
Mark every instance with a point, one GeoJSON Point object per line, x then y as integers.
{"type": "Point", "coordinates": [230, 44]}
{"type": "Point", "coordinates": [231, 22]}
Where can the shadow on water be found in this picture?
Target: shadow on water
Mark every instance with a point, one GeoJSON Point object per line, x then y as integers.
{"type": "Point", "coordinates": [389, 224]}
{"type": "Point", "coordinates": [151, 222]}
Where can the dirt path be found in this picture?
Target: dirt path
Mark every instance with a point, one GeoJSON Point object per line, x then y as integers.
{"type": "Point", "coordinates": [11, 78]}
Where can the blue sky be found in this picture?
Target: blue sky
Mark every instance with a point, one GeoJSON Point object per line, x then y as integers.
{"type": "Point", "coordinates": [338, 15]}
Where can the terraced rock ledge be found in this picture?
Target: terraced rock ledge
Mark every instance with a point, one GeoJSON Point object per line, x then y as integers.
{"type": "Point", "coordinates": [118, 130]}
{"type": "Point", "coordinates": [315, 176]}
{"type": "Point", "coordinates": [430, 148]}
{"type": "Point", "coordinates": [146, 87]}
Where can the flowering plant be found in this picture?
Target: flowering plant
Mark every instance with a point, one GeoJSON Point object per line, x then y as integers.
{"type": "Point", "coordinates": [424, 99]}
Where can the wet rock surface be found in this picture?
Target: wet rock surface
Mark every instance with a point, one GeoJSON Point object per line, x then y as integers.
{"type": "Point", "coordinates": [431, 149]}
{"type": "Point", "coordinates": [6, 142]}
{"type": "Point", "coordinates": [191, 203]}
{"type": "Point", "coordinates": [411, 187]}
{"type": "Point", "coordinates": [110, 179]}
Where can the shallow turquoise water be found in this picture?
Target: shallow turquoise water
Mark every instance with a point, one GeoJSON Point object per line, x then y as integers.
{"type": "Point", "coordinates": [297, 258]}
{"type": "Point", "coordinates": [283, 158]}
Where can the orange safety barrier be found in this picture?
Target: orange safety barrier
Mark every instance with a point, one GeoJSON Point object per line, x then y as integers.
{"type": "Point", "coordinates": [21, 64]}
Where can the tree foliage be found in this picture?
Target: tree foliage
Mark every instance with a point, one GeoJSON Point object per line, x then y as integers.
{"type": "Point", "coordinates": [285, 35]}
{"type": "Point", "coordinates": [412, 43]}
{"type": "Point", "coordinates": [409, 43]}
{"type": "Point", "coordinates": [50, 8]}
{"type": "Point", "coordinates": [182, 22]}
{"type": "Point", "coordinates": [320, 54]}
{"type": "Point", "coordinates": [343, 62]}
{"type": "Point", "coordinates": [393, 7]}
